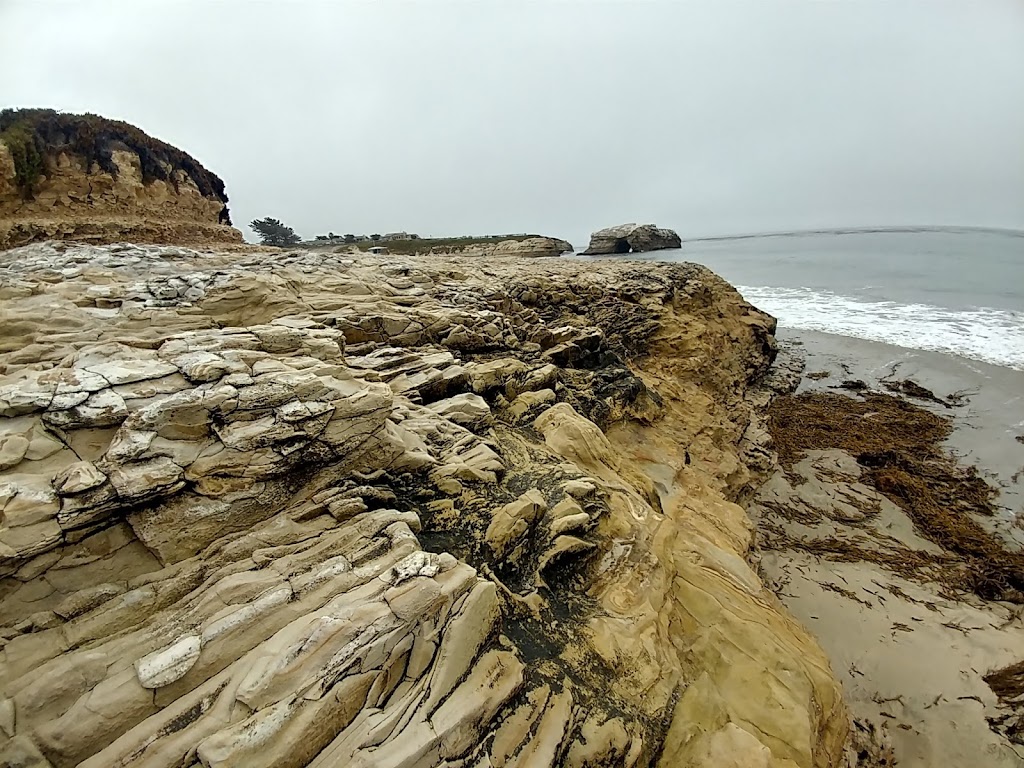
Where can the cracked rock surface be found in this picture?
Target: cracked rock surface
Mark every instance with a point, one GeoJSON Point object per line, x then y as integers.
{"type": "Point", "coordinates": [300, 508]}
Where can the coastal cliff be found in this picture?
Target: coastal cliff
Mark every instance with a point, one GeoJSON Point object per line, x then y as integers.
{"type": "Point", "coordinates": [86, 178]}
{"type": "Point", "coordinates": [302, 508]}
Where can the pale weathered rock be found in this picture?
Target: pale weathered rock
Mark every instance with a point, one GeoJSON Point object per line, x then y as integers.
{"type": "Point", "coordinates": [533, 247]}
{"type": "Point", "coordinates": [163, 667]}
{"type": "Point", "coordinates": [12, 450]}
{"type": "Point", "coordinates": [512, 521]}
{"type": "Point", "coordinates": [78, 477]}
{"type": "Point", "coordinates": [494, 373]}
{"type": "Point", "coordinates": [86, 599]}
{"type": "Point", "coordinates": [28, 500]}
{"type": "Point", "coordinates": [467, 409]}
{"type": "Point", "coordinates": [529, 402]}
{"type": "Point", "coordinates": [537, 379]}
{"type": "Point", "coordinates": [297, 508]}
{"type": "Point", "coordinates": [102, 409]}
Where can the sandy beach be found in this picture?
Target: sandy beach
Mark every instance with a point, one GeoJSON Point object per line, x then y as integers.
{"type": "Point", "coordinates": [910, 654]}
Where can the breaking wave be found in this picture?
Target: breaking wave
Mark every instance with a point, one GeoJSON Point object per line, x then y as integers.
{"type": "Point", "coordinates": [982, 333]}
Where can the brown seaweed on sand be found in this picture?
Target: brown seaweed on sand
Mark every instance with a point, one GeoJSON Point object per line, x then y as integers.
{"type": "Point", "coordinates": [911, 388]}
{"type": "Point", "coordinates": [1008, 685]}
{"type": "Point", "coordinates": [899, 446]}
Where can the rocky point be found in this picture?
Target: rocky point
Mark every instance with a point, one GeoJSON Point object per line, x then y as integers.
{"type": "Point", "coordinates": [299, 508]}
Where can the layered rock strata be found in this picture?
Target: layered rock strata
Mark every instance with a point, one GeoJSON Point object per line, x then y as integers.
{"type": "Point", "coordinates": [534, 246]}
{"type": "Point", "coordinates": [85, 178]}
{"type": "Point", "coordinates": [296, 508]}
{"type": "Point", "coordinates": [631, 238]}
{"type": "Point", "coordinates": [526, 247]}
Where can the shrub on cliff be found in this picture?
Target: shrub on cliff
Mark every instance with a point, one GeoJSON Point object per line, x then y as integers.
{"type": "Point", "coordinates": [33, 134]}
{"type": "Point", "coordinates": [28, 162]}
{"type": "Point", "coordinates": [275, 232]}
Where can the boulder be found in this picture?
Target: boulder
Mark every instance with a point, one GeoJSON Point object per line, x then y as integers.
{"type": "Point", "coordinates": [632, 238]}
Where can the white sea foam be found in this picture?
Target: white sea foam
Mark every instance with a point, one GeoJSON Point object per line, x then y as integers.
{"type": "Point", "coordinates": [990, 335]}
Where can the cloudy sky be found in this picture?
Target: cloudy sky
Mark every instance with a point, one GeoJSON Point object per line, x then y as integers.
{"type": "Point", "coordinates": [438, 117]}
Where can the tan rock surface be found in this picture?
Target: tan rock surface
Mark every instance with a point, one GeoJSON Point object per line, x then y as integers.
{"type": "Point", "coordinates": [275, 509]}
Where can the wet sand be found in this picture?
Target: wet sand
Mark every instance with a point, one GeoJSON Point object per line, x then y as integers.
{"type": "Point", "coordinates": [910, 656]}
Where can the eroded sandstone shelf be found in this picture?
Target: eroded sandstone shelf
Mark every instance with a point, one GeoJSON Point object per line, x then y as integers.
{"type": "Point", "coordinates": [289, 509]}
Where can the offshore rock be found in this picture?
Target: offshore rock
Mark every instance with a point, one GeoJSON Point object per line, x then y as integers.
{"type": "Point", "coordinates": [304, 509]}
{"type": "Point", "coordinates": [631, 238]}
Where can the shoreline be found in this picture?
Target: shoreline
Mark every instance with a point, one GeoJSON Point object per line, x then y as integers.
{"type": "Point", "coordinates": [910, 657]}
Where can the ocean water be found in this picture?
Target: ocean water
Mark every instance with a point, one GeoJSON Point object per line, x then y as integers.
{"type": "Point", "coordinates": [952, 290]}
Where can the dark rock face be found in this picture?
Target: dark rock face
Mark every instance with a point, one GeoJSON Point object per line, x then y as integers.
{"type": "Point", "coordinates": [632, 238]}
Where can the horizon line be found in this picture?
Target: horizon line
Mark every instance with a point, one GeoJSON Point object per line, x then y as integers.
{"type": "Point", "coordinates": [908, 228]}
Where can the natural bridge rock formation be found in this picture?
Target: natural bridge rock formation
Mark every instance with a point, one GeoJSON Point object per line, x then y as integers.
{"type": "Point", "coordinates": [296, 508]}
{"type": "Point", "coordinates": [631, 238]}
{"type": "Point", "coordinates": [83, 177]}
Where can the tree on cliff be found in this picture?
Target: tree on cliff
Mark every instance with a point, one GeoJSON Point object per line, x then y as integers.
{"type": "Point", "coordinates": [274, 232]}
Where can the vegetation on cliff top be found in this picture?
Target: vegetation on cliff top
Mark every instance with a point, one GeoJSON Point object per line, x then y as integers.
{"type": "Point", "coordinates": [33, 134]}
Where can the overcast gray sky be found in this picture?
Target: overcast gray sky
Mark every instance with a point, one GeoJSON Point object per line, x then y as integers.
{"type": "Point", "coordinates": [476, 117]}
